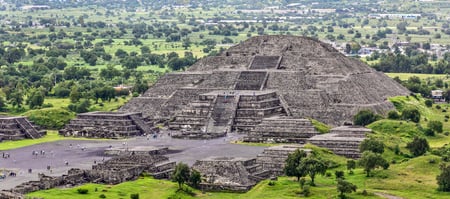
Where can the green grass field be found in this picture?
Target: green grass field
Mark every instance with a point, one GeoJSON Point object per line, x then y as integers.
{"type": "Point", "coordinates": [406, 76]}
{"type": "Point", "coordinates": [51, 136]}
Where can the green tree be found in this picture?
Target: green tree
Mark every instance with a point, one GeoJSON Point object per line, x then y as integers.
{"type": "Point", "coordinates": [418, 146]}
{"type": "Point", "coordinates": [364, 117]}
{"type": "Point", "coordinates": [292, 164]}
{"type": "Point", "coordinates": [370, 160]}
{"type": "Point", "coordinates": [181, 174]}
{"type": "Point", "coordinates": [351, 164]}
{"type": "Point", "coordinates": [411, 114]}
{"type": "Point", "coordinates": [344, 187]}
{"type": "Point", "coordinates": [2, 104]}
{"type": "Point", "coordinates": [74, 94]}
{"type": "Point", "coordinates": [312, 166]}
{"type": "Point", "coordinates": [36, 99]}
{"type": "Point", "coordinates": [429, 103]}
{"type": "Point", "coordinates": [16, 98]}
{"type": "Point", "coordinates": [443, 179]}
{"type": "Point", "coordinates": [371, 144]}
{"type": "Point", "coordinates": [436, 126]}
{"type": "Point", "coordinates": [195, 178]}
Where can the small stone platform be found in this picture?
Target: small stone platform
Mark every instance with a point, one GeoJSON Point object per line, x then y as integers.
{"type": "Point", "coordinates": [282, 130]}
{"type": "Point", "coordinates": [343, 140]}
{"type": "Point", "coordinates": [107, 125]}
{"type": "Point", "coordinates": [230, 173]}
{"type": "Point", "coordinates": [18, 128]}
{"type": "Point", "coordinates": [138, 150]}
{"type": "Point", "coordinates": [273, 159]}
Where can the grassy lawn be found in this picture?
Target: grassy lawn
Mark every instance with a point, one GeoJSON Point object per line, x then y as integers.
{"type": "Point", "coordinates": [406, 76]}
{"type": "Point", "coordinates": [50, 137]}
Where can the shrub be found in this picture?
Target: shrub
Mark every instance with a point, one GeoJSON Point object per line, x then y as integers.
{"type": "Point", "coordinates": [339, 174]}
{"type": "Point", "coordinates": [271, 183]}
{"type": "Point", "coordinates": [438, 107]}
{"type": "Point", "coordinates": [365, 117]}
{"type": "Point", "coordinates": [134, 196]}
{"type": "Point", "coordinates": [429, 103]}
{"type": "Point", "coordinates": [436, 126]}
{"type": "Point", "coordinates": [82, 191]}
{"type": "Point", "coordinates": [306, 191]}
{"type": "Point", "coordinates": [411, 114]}
{"type": "Point", "coordinates": [418, 146]}
{"type": "Point", "coordinates": [102, 196]}
{"type": "Point", "coordinates": [373, 145]}
{"type": "Point", "coordinates": [393, 115]}
{"type": "Point", "coordinates": [428, 132]}
{"type": "Point", "coordinates": [443, 179]}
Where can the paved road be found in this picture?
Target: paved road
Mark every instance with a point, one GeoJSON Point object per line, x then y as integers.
{"type": "Point", "coordinates": [83, 153]}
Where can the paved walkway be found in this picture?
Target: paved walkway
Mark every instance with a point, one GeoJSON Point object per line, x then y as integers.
{"type": "Point", "coordinates": [83, 153]}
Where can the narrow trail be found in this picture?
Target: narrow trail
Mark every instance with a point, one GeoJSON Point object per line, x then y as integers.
{"type": "Point", "coordinates": [388, 196]}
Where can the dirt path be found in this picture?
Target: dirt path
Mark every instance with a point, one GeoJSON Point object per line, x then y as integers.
{"type": "Point", "coordinates": [388, 196]}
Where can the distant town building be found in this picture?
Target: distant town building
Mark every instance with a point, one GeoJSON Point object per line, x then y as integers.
{"type": "Point", "coordinates": [394, 16]}
{"type": "Point", "coordinates": [437, 95]}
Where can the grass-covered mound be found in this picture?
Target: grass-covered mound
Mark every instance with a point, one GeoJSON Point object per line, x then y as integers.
{"type": "Point", "coordinates": [50, 118]}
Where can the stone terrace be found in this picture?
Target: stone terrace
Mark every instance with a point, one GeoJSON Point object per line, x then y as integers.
{"type": "Point", "coordinates": [107, 125]}
{"type": "Point", "coordinates": [282, 130]}
{"type": "Point", "coordinates": [231, 174]}
{"type": "Point", "coordinates": [116, 170]}
{"type": "Point", "coordinates": [344, 140]}
{"type": "Point", "coordinates": [17, 128]}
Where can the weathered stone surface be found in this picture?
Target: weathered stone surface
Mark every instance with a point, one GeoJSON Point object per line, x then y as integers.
{"type": "Point", "coordinates": [114, 171]}
{"type": "Point", "coordinates": [266, 77]}
{"type": "Point", "coordinates": [17, 128]}
{"type": "Point", "coordinates": [107, 125]}
{"type": "Point", "coordinates": [343, 140]}
{"type": "Point", "coordinates": [282, 130]}
{"type": "Point", "coordinates": [231, 174]}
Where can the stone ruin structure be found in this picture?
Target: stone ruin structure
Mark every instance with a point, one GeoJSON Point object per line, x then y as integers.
{"type": "Point", "coordinates": [17, 128]}
{"type": "Point", "coordinates": [228, 173]}
{"type": "Point", "coordinates": [263, 82]}
{"type": "Point", "coordinates": [241, 174]}
{"type": "Point", "coordinates": [114, 171]}
{"type": "Point", "coordinates": [343, 140]}
{"type": "Point", "coordinates": [107, 125]}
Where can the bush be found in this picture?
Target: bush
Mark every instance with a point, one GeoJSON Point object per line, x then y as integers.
{"type": "Point", "coordinates": [393, 115]}
{"type": "Point", "coordinates": [438, 107]}
{"type": "Point", "coordinates": [428, 132]}
{"type": "Point", "coordinates": [271, 183]}
{"type": "Point", "coordinates": [134, 196]}
{"type": "Point", "coordinates": [418, 146]}
{"type": "Point", "coordinates": [365, 117]}
{"type": "Point", "coordinates": [373, 145]}
{"type": "Point", "coordinates": [411, 114]}
{"type": "Point", "coordinates": [444, 178]}
{"type": "Point", "coordinates": [306, 191]}
{"type": "Point", "coordinates": [436, 126]}
{"type": "Point", "coordinates": [429, 103]}
{"type": "Point", "coordinates": [339, 174]}
{"type": "Point", "coordinates": [102, 196]}
{"type": "Point", "coordinates": [82, 191]}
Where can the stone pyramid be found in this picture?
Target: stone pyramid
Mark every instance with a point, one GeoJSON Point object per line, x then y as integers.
{"type": "Point", "coordinates": [266, 77]}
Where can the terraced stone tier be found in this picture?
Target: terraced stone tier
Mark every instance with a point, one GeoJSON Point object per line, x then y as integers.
{"type": "Point", "coordinates": [116, 170]}
{"type": "Point", "coordinates": [17, 128]}
{"type": "Point", "coordinates": [107, 125]}
{"type": "Point", "coordinates": [282, 130]}
{"type": "Point", "coordinates": [274, 158]}
{"type": "Point", "coordinates": [229, 173]}
{"type": "Point", "coordinates": [344, 140]}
